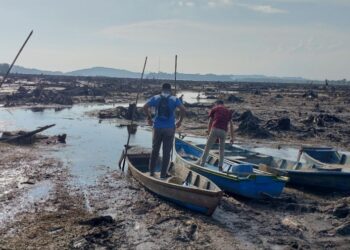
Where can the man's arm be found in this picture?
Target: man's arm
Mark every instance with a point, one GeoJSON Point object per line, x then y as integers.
{"type": "Point", "coordinates": [231, 131]}
{"type": "Point", "coordinates": [182, 115]}
{"type": "Point", "coordinates": [147, 110]}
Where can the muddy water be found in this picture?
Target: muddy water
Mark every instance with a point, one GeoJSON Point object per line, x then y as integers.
{"type": "Point", "coordinates": [93, 147]}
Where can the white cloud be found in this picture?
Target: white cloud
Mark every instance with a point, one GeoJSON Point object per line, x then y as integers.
{"type": "Point", "coordinates": [267, 9]}
{"type": "Point", "coordinates": [186, 4]}
{"type": "Point", "coordinates": [213, 3]}
{"type": "Point", "coordinates": [333, 2]}
{"type": "Point", "coordinates": [189, 4]}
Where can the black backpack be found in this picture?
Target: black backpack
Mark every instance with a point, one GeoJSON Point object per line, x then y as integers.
{"type": "Point", "coordinates": [163, 109]}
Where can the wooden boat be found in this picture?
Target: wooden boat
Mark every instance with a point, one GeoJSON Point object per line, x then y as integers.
{"type": "Point", "coordinates": [311, 174]}
{"type": "Point", "coordinates": [185, 187]}
{"type": "Point", "coordinates": [325, 156]}
{"type": "Point", "coordinates": [241, 179]}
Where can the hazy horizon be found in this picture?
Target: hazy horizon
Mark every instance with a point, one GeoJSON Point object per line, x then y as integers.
{"type": "Point", "coordinates": [282, 38]}
{"type": "Point", "coordinates": [153, 72]}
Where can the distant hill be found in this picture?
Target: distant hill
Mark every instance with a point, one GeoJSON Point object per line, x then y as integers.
{"type": "Point", "coordinates": [101, 71]}
{"type": "Point", "coordinates": [22, 70]}
{"type": "Point", "coordinates": [120, 73]}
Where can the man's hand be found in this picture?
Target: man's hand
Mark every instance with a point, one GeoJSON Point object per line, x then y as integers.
{"type": "Point", "coordinates": [148, 114]}
{"type": "Point", "coordinates": [178, 124]}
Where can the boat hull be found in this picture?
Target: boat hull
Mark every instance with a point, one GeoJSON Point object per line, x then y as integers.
{"type": "Point", "coordinates": [323, 179]}
{"type": "Point", "coordinates": [254, 186]}
{"type": "Point", "coordinates": [199, 200]}
{"type": "Point", "coordinates": [313, 175]}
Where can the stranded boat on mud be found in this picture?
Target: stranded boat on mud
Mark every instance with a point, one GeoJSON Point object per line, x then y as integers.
{"type": "Point", "coordinates": [185, 187]}
{"type": "Point", "coordinates": [310, 174]}
{"type": "Point", "coordinates": [241, 179]}
{"type": "Point", "coordinates": [325, 156]}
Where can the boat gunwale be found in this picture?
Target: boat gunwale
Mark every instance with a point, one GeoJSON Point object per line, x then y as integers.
{"type": "Point", "coordinates": [319, 172]}
{"type": "Point", "coordinates": [311, 158]}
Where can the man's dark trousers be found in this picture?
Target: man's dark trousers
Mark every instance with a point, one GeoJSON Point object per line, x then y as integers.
{"type": "Point", "coordinates": [161, 136]}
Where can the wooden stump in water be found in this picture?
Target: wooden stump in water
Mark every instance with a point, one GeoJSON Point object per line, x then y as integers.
{"type": "Point", "coordinates": [132, 128]}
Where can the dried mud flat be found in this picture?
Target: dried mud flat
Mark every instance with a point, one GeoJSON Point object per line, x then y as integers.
{"type": "Point", "coordinates": [277, 113]}
{"type": "Point", "coordinates": [116, 212]}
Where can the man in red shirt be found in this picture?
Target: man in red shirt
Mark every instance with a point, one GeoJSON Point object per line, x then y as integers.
{"type": "Point", "coordinates": [220, 117]}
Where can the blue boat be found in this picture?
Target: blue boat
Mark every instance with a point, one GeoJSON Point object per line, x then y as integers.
{"type": "Point", "coordinates": [312, 173]}
{"type": "Point", "coordinates": [241, 179]}
{"type": "Point", "coordinates": [325, 156]}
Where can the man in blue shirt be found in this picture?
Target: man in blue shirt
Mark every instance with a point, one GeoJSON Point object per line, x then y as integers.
{"type": "Point", "coordinates": [164, 126]}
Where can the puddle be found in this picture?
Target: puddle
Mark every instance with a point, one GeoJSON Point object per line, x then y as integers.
{"type": "Point", "coordinates": [191, 97]}
{"type": "Point", "coordinates": [39, 192]}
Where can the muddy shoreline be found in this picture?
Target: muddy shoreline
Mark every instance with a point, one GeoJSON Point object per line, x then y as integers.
{"type": "Point", "coordinates": [43, 208]}
{"type": "Point", "coordinates": [117, 212]}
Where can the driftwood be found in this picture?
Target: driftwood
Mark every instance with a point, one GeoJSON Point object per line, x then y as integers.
{"type": "Point", "coordinates": [23, 137]}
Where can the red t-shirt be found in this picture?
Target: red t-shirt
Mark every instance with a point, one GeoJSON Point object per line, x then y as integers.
{"type": "Point", "coordinates": [221, 117]}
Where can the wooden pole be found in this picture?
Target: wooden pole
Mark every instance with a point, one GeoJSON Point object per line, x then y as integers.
{"type": "Point", "coordinates": [19, 52]}
{"type": "Point", "coordinates": [172, 149]}
{"type": "Point", "coordinates": [175, 72]}
{"type": "Point", "coordinates": [133, 114]}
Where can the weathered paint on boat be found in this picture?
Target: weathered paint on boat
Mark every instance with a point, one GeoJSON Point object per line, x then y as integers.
{"type": "Point", "coordinates": [312, 174]}
{"type": "Point", "coordinates": [255, 184]}
{"type": "Point", "coordinates": [198, 194]}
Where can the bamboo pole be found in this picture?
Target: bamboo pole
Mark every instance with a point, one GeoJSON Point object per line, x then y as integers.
{"type": "Point", "coordinates": [133, 114]}
{"type": "Point", "coordinates": [175, 72]}
{"type": "Point", "coordinates": [19, 52]}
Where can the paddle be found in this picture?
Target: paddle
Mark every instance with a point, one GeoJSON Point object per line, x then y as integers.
{"type": "Point", "coordinates": [19, 52]}
{"type": "Point", "coordinates": [125, 152]}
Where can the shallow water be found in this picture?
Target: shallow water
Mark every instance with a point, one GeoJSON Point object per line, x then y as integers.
{"type": "Point", "coordinates": [39, 192]}
{"type": "Point", "coordinates": [192, 97]}
{"type": "Point", "coordinates": [92, 147]}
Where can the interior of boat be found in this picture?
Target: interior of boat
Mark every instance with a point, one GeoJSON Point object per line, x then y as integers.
{"type": "Point", "coordinates": [179, 175]}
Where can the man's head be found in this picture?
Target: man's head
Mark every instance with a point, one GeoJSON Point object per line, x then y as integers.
{"type": "Point", "coordinates": [166, 88]}
{"type": "Point", "coordinates": [219, 102]}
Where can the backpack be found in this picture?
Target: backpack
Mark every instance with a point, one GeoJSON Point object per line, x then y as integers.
{"type": "Point", "coordinates": [163, 110]}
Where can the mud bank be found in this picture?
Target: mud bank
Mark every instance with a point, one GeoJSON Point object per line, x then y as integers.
{"type": "Point", "coordinates": [286, 113]}
{"type": "Point", "coordinates": [116, 212]}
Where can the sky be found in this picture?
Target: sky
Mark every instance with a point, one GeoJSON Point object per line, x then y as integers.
{"type": "Point", "coordinates": [306, 38]}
